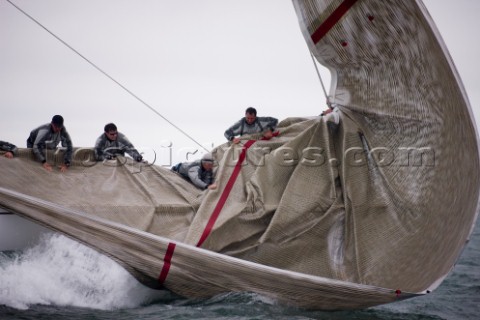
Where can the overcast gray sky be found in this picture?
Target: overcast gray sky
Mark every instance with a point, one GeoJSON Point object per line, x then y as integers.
{"type": "Point", "coordinates": [199, 63]}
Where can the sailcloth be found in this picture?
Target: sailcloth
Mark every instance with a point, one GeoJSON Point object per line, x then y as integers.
{"type": "Point", "coordinates": [370, 204]}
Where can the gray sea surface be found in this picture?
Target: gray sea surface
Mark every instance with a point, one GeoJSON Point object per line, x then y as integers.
{"type": "Point", "coordinates": [61, 279]}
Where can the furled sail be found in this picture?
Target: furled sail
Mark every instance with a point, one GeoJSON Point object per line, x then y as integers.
{"type": "Point", "coordinates": [370, 204]}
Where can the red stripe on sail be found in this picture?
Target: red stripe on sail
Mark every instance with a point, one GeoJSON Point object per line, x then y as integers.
{"type": "Point", "coordinates": [166, 262]}
{"type": "Point", "coordinates": [216, 212]}
{"type": "Point", "coordinates": [225, 193]}
{"type": "Point", "coordinates": [275, 134]}
{"type": "Point", "coordinates": [332, 20]}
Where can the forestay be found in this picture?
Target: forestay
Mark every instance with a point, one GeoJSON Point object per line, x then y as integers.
{"type": "Point", "coordinates": [368, 205]}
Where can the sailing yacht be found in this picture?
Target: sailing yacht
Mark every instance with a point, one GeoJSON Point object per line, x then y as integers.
{"type": "Point", "coordinates": [367, 205]}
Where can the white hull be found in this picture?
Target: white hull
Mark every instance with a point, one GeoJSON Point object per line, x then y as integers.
{"type": "Point", "coordinates": [17, 233]}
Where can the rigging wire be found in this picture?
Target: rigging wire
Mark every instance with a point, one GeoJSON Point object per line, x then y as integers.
{"type": "Point", "coordinates": [320, 78]}
{"type": "Point", "coordinates": [107, 75]}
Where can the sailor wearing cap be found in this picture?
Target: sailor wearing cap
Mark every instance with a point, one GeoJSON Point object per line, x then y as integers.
{"type": "Point", "coordinates": [199, 172]}
{"type": "Point", "coordinates": [49, 136]}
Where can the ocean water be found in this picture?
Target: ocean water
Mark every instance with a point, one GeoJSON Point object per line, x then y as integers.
{"type": "Point", "coordinates": [62, 279]}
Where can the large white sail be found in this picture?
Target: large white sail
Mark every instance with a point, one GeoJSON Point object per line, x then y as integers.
{"type": "Point", "coordinates": [368, 205]}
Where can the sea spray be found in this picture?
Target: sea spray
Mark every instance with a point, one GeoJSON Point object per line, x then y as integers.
{"type": "Point", "coordinates": [59, 271]}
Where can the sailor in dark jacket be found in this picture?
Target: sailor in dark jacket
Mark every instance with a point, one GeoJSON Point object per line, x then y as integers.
{"type": "Point", "coordinates": [48, 136]}
{"type": "Point", "coordinates": [251, 124]}
{"type": "Point", "coordinates": [199, 172]}
{"type": "Point", "coordinates": [112, 143]}
{"type": "Point", "coordinates": [11, 149]}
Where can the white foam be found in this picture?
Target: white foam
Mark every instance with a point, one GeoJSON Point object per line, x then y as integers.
{"type": "Point", "coordinates": [59, 271]}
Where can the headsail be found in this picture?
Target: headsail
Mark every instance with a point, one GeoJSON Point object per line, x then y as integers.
{"type": "Point", "coordinates": [369, 209]}
{"type": "Point", "coordinates": [414, 208]}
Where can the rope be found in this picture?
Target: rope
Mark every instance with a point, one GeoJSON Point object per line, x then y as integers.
{"type": "Point", "coordinates": [321, 81]}
{"type": "Point", "coordinates": [107, 75]}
